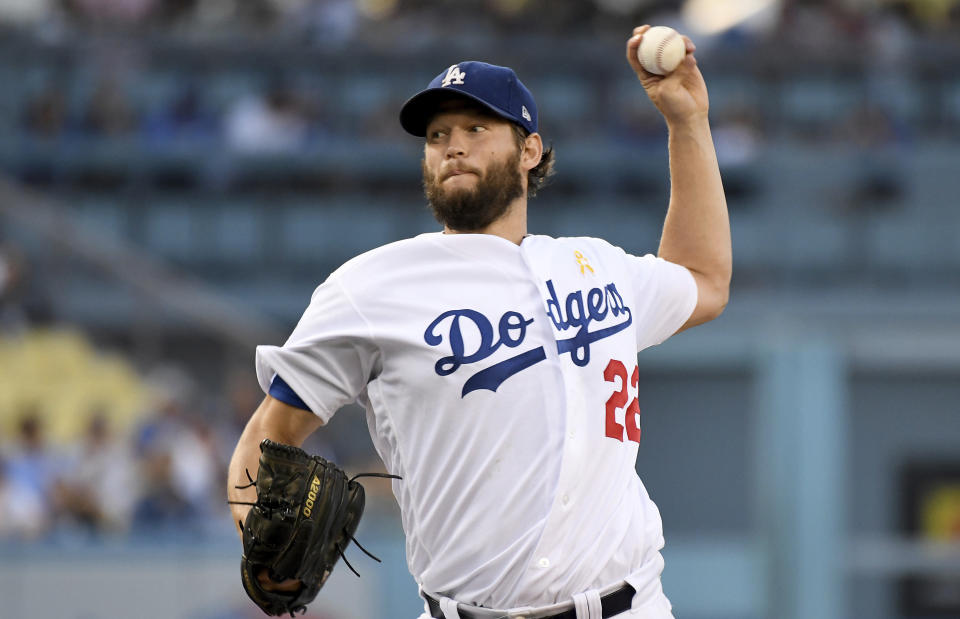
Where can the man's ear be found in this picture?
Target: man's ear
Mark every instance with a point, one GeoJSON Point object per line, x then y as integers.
{"type": "Point", "coordinates": [532, 151]}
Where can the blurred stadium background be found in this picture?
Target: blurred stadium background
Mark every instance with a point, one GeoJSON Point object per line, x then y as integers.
{"type": "Point", "coordinates": [176, 176]}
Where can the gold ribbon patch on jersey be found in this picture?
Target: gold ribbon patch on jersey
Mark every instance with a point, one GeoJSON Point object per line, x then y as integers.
{"type": "Point", "coordinates": [582, 262]}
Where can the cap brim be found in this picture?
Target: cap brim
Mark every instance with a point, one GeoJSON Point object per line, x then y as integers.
{"type": "Point", "coordinates": [417, 111]}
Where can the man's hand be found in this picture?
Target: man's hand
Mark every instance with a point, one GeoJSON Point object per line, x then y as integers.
{"type": "Point", "coordinates": [681, 95]}
{"type": "Point", "coordinates": [291, 585]}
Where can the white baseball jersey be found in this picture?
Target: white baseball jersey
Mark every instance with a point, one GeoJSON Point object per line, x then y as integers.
{"type": "Point", "coordinates": [500, 382]}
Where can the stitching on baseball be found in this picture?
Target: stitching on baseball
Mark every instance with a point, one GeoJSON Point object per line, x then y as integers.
{"type": "Point", "coordinates": [660, 48]}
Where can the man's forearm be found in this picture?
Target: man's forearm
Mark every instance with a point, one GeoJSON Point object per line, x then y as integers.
{"type": "Point", "coordinates": [245, 459]}
{"type": "Point", "coordinates": [274, 420]}
{"type": "Point", "coordinates": [696, 232]}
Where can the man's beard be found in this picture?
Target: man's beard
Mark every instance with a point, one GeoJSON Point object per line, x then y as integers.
{"type": "Point", "coordinates": [474, 209]}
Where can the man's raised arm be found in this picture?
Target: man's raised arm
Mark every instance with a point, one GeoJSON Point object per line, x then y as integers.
{"type": "Point", "coordinates": [696, 232]}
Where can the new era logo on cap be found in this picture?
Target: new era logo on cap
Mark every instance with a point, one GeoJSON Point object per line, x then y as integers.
{"type": "Point", "coordinates": [496, 88]}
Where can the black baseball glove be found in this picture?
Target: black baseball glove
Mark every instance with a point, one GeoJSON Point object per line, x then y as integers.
{"type": "Point", "coordinates": [305, 515]}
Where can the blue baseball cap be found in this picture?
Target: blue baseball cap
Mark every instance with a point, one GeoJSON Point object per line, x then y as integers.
{"type": "Point", "coordinates": [496, 88]}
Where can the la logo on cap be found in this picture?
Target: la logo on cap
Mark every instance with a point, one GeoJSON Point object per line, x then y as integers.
{"type": "Point", "coordinates": [454, 76]}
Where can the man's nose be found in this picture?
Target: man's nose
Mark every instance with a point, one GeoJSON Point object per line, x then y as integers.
{"type": "Point", "coordinates": [456, 145]}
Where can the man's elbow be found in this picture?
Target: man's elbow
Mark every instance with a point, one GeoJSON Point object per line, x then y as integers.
{"type": "Point", "coordinates": [714, 307]}
{"type": "Point", "coordinates": [713, 295]}
{"type": "Point", "coordinates": [722, 297]}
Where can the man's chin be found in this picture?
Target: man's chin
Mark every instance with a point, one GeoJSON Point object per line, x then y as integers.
{"type": "Point", "coordinates": [455, 193]}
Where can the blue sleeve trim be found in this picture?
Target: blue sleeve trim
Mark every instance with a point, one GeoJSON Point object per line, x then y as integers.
{"type": "Point", "coordinates": [282, 391]}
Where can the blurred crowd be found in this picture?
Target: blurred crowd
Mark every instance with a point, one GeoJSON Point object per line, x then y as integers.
{"type": "Point", "coordinates": [277, 120]}
{"type": "Point", "coordinates": [166, 471]}
{"type": "Point", "coordinates": [158, 469]}
{"type": "Point", "coordinates": [337, 22]}
{"type": "Point", "coordinates": [118, 97]}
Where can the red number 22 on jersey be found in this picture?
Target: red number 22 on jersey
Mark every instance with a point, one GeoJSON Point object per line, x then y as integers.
{"type": "Point", "coordinates": [616, 370]}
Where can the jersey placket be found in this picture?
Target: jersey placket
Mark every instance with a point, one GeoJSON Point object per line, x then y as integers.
{"type": "Point", "coordinates": [546, 561]}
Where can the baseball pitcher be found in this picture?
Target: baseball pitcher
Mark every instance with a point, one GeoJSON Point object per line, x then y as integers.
{"type": "Point", "coordinates": [498, 370]}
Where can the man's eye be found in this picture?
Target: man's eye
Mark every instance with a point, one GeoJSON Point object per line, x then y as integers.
{"type": "Point", "coordinates": [435, 135]}
{"type": "Point", "coordinates": [478, 128]}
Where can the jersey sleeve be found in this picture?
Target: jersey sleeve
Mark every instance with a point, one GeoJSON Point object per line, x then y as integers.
{"type": "Point", "coordinates": [329, 357]}
{"type": "Point", "coordinates": [665, 295]}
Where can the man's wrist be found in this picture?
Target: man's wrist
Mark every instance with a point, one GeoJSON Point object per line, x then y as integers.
{"type": "Point", "coordinates": [692, 122]}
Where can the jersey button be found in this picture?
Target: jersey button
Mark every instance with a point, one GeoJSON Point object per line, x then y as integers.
{"type": "Point", "coordinates": [544, 562]}
{"type": "Point", "coordinates": [565, 499]}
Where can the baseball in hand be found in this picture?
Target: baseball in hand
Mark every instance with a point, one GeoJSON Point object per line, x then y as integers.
{"type": "Point", "coordinates": [661, 50]}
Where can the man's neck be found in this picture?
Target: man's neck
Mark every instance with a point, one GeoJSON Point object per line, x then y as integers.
{"type": "Point", "coordinates": [512, 225]}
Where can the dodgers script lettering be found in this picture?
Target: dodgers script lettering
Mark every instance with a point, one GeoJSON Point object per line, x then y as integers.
{"type": "Point", "coordinates": [578, 311]}
{"type": "Point", "coordinates": [512, 330]}
{"type": "Point", "coordinates": [600, 302]}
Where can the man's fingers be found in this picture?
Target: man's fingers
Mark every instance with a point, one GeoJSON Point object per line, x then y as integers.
{"type": "Point", "coordinates": [691, 47]}
{"type": "Point", "coordinates": [632, 44]}
{"type": "Point", "coordinates": [271, 585]}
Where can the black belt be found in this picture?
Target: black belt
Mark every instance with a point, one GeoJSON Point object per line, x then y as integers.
{"type": "Point", "coordinates": [613, 603]}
